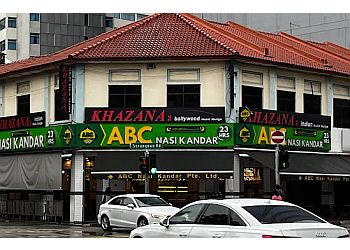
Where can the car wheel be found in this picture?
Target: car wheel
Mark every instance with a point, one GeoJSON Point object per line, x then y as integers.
{"type": "Point", "coordinates": [106, 226]}
{"type": "Point", "coordinates": [142, 222]}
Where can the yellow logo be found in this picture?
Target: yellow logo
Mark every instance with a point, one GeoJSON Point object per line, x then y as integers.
{"type": "Point", "coordinates": [244, 134]}
{"type": "Point", "coordinates": [87, 135]}
{"type": "Point", "coordinates": [67, 136]}
{"type": "Point", "coordinates": [245, 113]}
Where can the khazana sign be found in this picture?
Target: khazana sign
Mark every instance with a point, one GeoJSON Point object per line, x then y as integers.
{"type": "Point", "coordinates": [53, 137]}
{"type": "Point", "coordinates": [265, 136]}
{"type": "Point", "coordinates": [281, 118]}
{"type": "Point", "coordinates": [155, 115]}
{"type": "Point", "coordinates": [31, 120]}
{"type": "Point", "coordinates": [143, 136]}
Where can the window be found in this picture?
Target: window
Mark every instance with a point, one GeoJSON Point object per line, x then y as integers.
{"type": "Point", "coordinates": [215, 215]}
{"type": "Point", "coordinates": [127, 16]}
{"type": "Point", "coordinates": [124, 96]}
{"type": "Point", "coordinates": [140, 16]}
{"type": "Point", "coordinates": [312, 87]}
{"type": "Point", "coordinates": [252, 78]}
{"type": "Point", "coordinates": [11, 44]}
{"type": "Point", "coordinates": [117, 201]}
{"type": "Point", "coordinates": [2, 24]}
{"type": "Point", "coordinates": [235, 220]}
{"type": "Point", "coordinates": [151, 201]}
{"type": "Point", "coordinates": [109, 22]}
{"type": "Point", "coordinates": [183, 96]}
{"type": "Point", "coordinates": [183, 75]}
{"type": "Point", "coordinates": [281, 214]}
{"type": "Point", "coordinates": [188, 215]}
{"type": "Point", "coordinates": [23, 87]}
{"type": "Point", "coordinates": [125, 75]}
{"type": "Point", "coordinates": [12, 22]}
{"type": "Point", "coordinates": [252, 97]}
{"type": "Point", "coordinates": [341, 113]}
{"type": "Point", "coordinates": [23, 104]}
{"type": "Point", "coordinates": [86, 19]}
{"type": "Point", "coordinates": [34, 38]}
{"type": "Point", "coordinates": [127, 201]}
{"type": "Point", "coordinates": [285, 82]}
{"type": "Point", "coordinates": [312, 104]}
{"type": "Point", "coordinates": [34, 16]}
{"type": "Point", "coordinates": [2, 45]}
{"type": "Point", "coordinates": [285, 101]}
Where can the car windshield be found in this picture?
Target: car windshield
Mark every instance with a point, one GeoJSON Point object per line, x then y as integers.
{"type": "Point", "coordinates": [151, 201]}
{"type": "Point", "coordinates": [270, 214]}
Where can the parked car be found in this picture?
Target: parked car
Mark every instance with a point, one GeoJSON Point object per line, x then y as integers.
{"type": "Point", "coordinates": [241, 218]}
{"type": "Point", "coordinates": [133, 210]}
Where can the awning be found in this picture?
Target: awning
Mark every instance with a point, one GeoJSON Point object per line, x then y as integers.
{"type": "Point", "coordinates": [307, 164]}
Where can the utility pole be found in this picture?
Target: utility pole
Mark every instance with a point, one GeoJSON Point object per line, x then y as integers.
{"type": "Point", "coordinates": [277, 174]}
{"type": "Point", "coordinates": [147, 175]}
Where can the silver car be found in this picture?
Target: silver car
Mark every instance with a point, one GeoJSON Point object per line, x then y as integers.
{"type": "Point", "coordinates": [133, 210]}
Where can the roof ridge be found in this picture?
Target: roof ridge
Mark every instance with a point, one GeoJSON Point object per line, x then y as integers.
{"type": "Point", "coordinates": [333, 45]}
{"type": "Point", "coordinates": [278, 43]}
{"type": "Point", "coordinates": [115, 33]}
{"type": "Point", "coordinates": [300, 41]}
{"type": "Point", "coordinates": [222, 32]}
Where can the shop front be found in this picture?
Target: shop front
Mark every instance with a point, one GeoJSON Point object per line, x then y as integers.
{"type": "Point", "coordinates": [313, 174]}
{"type": "Point", "coordinates": [34, 177]}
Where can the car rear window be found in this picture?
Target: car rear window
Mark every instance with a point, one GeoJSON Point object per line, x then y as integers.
{"type": "Point", "coordinates": [270, 214]}
{"type": "Point", "coordinates": [151, 201]}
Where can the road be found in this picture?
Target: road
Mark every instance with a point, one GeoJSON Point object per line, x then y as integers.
{"type": "Point", "coordinates": [46, 230]}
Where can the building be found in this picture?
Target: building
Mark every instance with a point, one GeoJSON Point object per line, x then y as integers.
{"type": "Point", "coordinates": [76, 121]}
{"type": "Point", "coordinates": [317, 27]}
{"type": "Point", "coordinates": [23, 35]}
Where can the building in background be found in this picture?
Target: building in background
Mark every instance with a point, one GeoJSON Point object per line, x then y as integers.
{"type": "Point", "coordinates": [24, 35]}
{"type": "Point", "coordinates": [318, 27]}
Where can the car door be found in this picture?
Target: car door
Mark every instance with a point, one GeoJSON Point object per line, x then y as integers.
{"type": "Point", "coordinates": [181, 223]}
{"type": "Point", "coordinates": [129, 215]}
{"type": "Point", "coordinates": [218, 221]}
{"type": "Point", "coordinates": [115, 211]}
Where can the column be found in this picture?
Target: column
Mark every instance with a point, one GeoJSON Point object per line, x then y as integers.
{"type": "Point", "coordinates": [237, 178]}
{"type": "Point", "coordinates": [329, 96]}
{"type": "Point", "coordinates": [47, 97]}
{"type": "Point", "coordinates": [77, 188]}
{"type": "Point", "coordinates": [272, 89]}
{"type": "Point", "coordinates": [78, 94]}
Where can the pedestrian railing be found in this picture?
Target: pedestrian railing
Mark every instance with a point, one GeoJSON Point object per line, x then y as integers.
{"type": "Point", "coordinates": [32, 210]}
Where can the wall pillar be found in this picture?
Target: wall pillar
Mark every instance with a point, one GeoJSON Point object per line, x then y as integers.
{"type": "Point", "coordinates": [77, 188]}
{"type": "Point", "coordinates": [272, 89]}
{"type": "Point", "coordinates": [233, 185]}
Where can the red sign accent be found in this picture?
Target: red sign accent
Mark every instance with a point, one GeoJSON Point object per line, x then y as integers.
{"type": "Point", "coordinates": [277, 137]}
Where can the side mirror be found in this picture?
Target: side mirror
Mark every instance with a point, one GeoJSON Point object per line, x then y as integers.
{"type": "Point", "coordinates": [132, 206]}
{"type": "Point", "coordinates": [165, 222]}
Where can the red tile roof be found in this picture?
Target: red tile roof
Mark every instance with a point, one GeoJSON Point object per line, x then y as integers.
{"type": "Point", "coordinates": [184, 36]}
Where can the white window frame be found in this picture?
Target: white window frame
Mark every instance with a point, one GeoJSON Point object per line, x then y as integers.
{"type": "Point", "coordinates": [286, 88]}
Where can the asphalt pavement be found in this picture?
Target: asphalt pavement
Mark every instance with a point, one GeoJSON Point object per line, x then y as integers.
{"type": "Point", "coordinates": [12, 229]}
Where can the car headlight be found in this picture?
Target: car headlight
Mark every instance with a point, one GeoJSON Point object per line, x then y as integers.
{"type": "Point", "coordinates": [158, 216]}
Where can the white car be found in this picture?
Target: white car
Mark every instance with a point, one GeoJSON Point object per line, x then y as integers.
{"type": "Point", "coordinates": [241, 218]}
{"type": "Point", "coordinates": [133, 210]}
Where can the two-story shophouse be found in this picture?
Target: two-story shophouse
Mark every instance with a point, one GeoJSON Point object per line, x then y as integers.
{"type": "Point", "coordinates": [76, 121]}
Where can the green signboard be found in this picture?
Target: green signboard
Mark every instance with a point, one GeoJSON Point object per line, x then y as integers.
{"type": "Point", "coordinates": [265, 136]}
{"type": "Point", "coordinates": [150, 136]}
{"type": "Point", "coordinates": [31, 139]}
